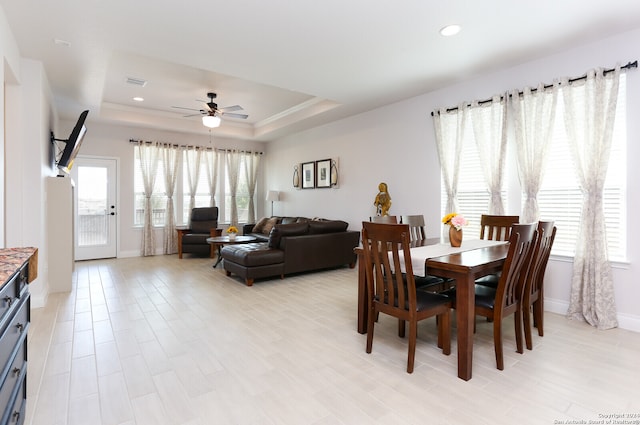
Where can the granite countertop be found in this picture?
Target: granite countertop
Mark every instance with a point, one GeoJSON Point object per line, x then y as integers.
{"type": "Point", "coordinates": [12, 258]}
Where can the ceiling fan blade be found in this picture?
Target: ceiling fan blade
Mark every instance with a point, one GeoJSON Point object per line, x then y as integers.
{"type": "Point", "coordinates": [194, 115]}
{"type": "Point", "coordinates": [231, 108]}
{"type": "Point", "coordinates": [242, 116]}
{"type": "Point", "coordinates": [188, 109]}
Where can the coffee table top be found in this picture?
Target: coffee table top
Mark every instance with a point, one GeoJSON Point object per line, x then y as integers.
{"type": "Point", "coordinates": [227, 239]}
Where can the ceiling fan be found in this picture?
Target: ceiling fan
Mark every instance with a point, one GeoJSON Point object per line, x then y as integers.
{"type": "Point", "coordinates": [211, 116]}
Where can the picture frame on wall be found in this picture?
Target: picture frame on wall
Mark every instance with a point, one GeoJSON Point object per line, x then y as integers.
{"type": "Point", "coordinates": [323, 173]}
{"type": "Point", "coordinates": [308, 175]}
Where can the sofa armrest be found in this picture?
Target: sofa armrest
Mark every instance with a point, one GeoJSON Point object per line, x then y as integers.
{"type": "Point", "coordinates": [247, 228]}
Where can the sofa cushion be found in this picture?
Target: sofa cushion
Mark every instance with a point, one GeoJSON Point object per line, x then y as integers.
{"type": "Point", "coordinates": [260, 225]}
{"type": "Point", "coordinates": [252, 254]}
{"type": "Point", "coordinates": [289, 220]}
{"type": "Point", "coordinates": [327, 226]}
{"type": "Point", "coordinates": [292, 229]}
{"type": "Point", "coordinates": [269, 225]}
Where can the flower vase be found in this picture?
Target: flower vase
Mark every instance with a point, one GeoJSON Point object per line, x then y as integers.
{"type": "Point", "coordinates": [232, 236]}
{"type": "Point", "coordinates": [455, 237]}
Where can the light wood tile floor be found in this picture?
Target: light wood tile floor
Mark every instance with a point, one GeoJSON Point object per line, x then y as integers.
{"type": "Point", "coordinates": [159, 340]}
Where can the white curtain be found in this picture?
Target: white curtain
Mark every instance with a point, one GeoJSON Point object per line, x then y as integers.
{"type": "Point", "coordinates": [193, 157]}
{"type": "Point", "coordinates": [251, 163]}
{"type": "Point", "coordinates": [533, 116]}
{"type": "Point", "coordinates": [148, 154]}
{"type": "Point", "coordinates": [212, 162]}
{"type": "Point", "coordinates": [590, 106]}
{"type": "Point", "coordinates": [490, 132]}
{"type": "Point", "coordinates": [450, 129]}
{"type": "Point", "coordinates": [233, 168]}
{"type": "Point", "coordinates": [170, 163]}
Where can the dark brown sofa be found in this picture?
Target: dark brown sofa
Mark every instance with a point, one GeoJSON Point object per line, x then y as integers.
{"type": "Point", "coordinates": [292, 245]}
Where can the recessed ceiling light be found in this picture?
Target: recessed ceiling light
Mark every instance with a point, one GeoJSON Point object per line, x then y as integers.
{"type": "Point", "coordinates": [61, 42]}
{"type": "Point", "coordinates": [138, 99]}
{"type": "Point", "coordinates": [450, 30]}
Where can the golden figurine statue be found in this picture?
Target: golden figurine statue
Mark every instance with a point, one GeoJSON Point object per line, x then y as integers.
{"type": "Point", "coordinates": [383, 200]}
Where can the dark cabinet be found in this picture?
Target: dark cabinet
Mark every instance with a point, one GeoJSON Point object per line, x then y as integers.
{"type": "Point", "coordinates": [15, 316]}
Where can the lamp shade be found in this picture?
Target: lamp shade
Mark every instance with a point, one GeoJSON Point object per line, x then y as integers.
{"type": "Point", "coordinates": [273, 195]}
{"type": "Point", "coordinates": [211, 121]}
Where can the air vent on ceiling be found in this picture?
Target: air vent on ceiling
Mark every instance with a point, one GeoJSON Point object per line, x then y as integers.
{"type": "Point", "coordinates": [136, 81]}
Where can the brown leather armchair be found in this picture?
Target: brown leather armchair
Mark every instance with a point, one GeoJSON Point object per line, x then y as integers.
{"type": "Point", "coordinates": [202, 225]}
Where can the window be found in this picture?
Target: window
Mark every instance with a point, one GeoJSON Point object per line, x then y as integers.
{"type": "Point", "coordinates": [473, 194]}
{"type": "Point", "coordinates": [181, 195]}
{"type": "Point", "coordinates": [158, 199]}
{"type": "Point", "coordinates": [202, 197]}
{"type": "Point", "coordinates": [242, 195]}
{"type": "Point", "coordinates": [560, 197]}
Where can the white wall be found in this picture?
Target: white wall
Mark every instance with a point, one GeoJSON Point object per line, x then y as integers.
{"type": "Point", "coordinates": [396, 145]}
{"type": "Point", "coordinates": [28, 120]}
{"type": "Point", "coordinates": [106, 140]}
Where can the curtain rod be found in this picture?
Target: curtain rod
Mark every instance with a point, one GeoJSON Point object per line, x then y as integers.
{"type": "Point", "coordinates": [629, 65]}
{"type": "Point", "coordinates": [148, 142]}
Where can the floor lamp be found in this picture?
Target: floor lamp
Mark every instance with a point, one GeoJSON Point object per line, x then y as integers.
{"type": "Point", "coordinates": [273, 195]}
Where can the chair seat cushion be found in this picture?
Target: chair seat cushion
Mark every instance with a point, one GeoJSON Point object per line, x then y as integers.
{"type": "Point", "coordinates": [489, 280]}
{"type": "Point", "coordinates": [426, 281]}
{"type": "Point", "coordinates": [252, 254]}
{"type": "Point", "coordinates": [427, 300]}
{"type": "Point", "coordinates": [485, 296]}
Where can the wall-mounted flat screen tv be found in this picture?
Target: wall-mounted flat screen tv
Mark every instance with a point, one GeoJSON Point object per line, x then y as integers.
{"type": "Point", "coordinates": [72, 144]}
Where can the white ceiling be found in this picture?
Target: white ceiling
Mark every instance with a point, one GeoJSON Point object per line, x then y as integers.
{"type": "Point", "coordinates": [291, 64]}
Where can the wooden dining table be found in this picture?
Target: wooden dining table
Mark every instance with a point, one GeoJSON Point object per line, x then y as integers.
{"type": "Point", "coordinates": [465, 267]}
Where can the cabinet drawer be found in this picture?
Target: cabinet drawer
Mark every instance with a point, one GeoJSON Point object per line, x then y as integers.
{"type": "Point", "coordinates": [15, 330]}
{"type": "Point", "coordinates": [8, 299]}
{"type": "Point", "coordinates": [14, 415]}
{"type": "Point", "coordinates": [15, 371]}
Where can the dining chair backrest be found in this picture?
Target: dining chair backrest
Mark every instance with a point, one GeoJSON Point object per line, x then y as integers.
{"type": "Point", "coordinates": [416, 226]}
{"type": "Point", "coordinates": [510, 287]}
{"type": "Point", "coordinates": [383, 243]}
{"type": "Point", "coordinates": [534, 285]}
{"type": "Point", "coordinates": [389, 219]}
{"type": "Point", "coordinates": [497, 227]}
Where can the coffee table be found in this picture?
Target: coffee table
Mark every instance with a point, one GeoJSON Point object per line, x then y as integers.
{"type": "Point", "coordinates": [220, 241]}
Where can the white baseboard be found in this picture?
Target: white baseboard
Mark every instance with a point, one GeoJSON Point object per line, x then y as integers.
{"type": "Point", "coordinates": [136, 253]}
{"type": "Point", "coordinates": [625, 321]}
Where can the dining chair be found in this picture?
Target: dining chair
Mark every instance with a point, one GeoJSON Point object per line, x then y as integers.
{"type": "Point", "coordinates": [393, 293]}
{"type": "Point", "coordinates": [534, 287]}
{"type": "Point", "coordinates": [416, 226]}
{"type": "Point", "coordinates": [389, 219]}
{"type": "Point", "coordinates": [498, 228]}
{"type": "Point", "coordinates": [418, 235]}
{"type": "Point", "coordinates": [506, 299]}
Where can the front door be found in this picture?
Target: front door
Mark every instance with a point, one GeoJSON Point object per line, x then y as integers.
{"type": "Point", "coordinates": [95, 215]}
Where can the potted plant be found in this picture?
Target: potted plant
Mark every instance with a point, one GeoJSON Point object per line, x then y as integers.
{"type": "Point", "coordinates": [232, 232]}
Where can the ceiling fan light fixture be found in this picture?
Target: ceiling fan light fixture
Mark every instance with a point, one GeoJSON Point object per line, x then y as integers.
{"type": "Point", "coordinates": [211, 121]}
